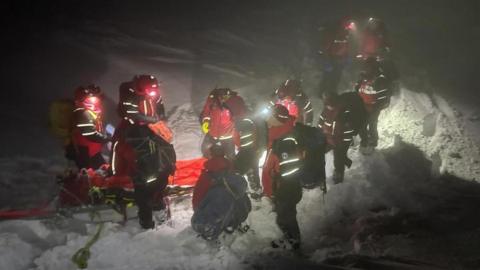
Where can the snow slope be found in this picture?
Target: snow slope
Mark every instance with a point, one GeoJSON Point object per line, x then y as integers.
{"type": "Point", "coordinates": [410, 199]}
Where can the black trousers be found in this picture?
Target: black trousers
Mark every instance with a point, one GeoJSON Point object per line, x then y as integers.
{"type": "Point", "coordinates": [288, 194]}
{"type": "Point", "coordinates": [369, 133]}
{"type": "Point", "coordinates": [146, 200]}
{"type": "Point", "coordinates": [246, 162]}
{"type": "Point", "coordinates": [340, 158]}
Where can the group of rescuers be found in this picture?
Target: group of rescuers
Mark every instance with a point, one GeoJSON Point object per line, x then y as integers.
{"type": "Point", "coordinates": [291, 147]}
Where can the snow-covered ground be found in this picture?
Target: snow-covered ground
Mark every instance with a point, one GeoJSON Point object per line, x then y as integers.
{"type": "Point", "coordinates": [413, 198]}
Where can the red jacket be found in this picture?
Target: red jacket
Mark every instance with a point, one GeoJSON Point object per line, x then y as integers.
{"type": "Point", "coordinates": [222, 116]}
{"type": "Point", "coordinates": [88, 131]}
{"type": "Point", "coordinates": [271, 168]}
{"type": "Point", "coordinates": [215, 164]}
{"type": "Point", "coordinates": [375, 92]}
{"type": "Point", "coordinates": [334, 122]}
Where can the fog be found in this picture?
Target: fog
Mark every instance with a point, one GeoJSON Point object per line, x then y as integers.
{"type": "Point", "coordinates": [52, 47]}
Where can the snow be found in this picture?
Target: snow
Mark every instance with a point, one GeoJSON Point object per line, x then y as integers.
{"type": "Point", "coordinates": [417, 178]}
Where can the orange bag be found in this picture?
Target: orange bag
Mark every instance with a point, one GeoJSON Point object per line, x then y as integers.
{"type": "Point", "coordinates": [162, 130]}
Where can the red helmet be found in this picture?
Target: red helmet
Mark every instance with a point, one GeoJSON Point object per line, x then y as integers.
{"type": "Point", "coordinates": [88, 97]}
{"type": "Point", "coordinates": [146, 85]}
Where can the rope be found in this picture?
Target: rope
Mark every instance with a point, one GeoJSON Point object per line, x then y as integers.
{"type": "Point", "coordinates": [80, 258]}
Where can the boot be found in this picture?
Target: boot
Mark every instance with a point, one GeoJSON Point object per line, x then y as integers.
{"type": "Point", "coordinates": [337, 177]}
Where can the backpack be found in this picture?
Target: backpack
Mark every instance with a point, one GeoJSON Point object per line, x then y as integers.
{"type": "Point", "coordinates": [61, 119]}
{"type": "Point", "coordinates": [358, 113]}
{"type": "Point", "coordinates": [312, 141]}
{"type": "Point", "coordinates": [226, 204]}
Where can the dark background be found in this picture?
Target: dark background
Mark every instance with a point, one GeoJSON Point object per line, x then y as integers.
{"type": "Point", "coordinates": [51, 47]}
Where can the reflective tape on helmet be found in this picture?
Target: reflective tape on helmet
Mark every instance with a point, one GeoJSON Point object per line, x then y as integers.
{"type": "Point", "coordinates": [248, 120]}
{"type": "Point", "coordinates": [290, 172]}
{"type": "Point", "coordinates": [290, 139]}
{"type": "Point", "coordinates": [289, 161]}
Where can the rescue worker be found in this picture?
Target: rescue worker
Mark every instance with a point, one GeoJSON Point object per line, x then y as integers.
{"type": "Point", "coordinates": [336, 54]}
{"type": "Point", "coordinates": [341, 119]}
{"type": "Point", "coordinates": [142, 149]}
{"type": "Point", "coordinates": [291, 96]}
{"type": "Point", "coordinates": [222, 108]}
{"type": "Point", "coordinates": [280, 176]}
{"type": "Point", "coordinates": [374, 89]}
{"type": "Point", "coordinates": [88, 134]}
{"type": "Point", "coordinates": [374, 40]}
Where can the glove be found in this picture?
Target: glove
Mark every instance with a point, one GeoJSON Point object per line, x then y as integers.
{"type": "Point", "coordinates": [205, 126]}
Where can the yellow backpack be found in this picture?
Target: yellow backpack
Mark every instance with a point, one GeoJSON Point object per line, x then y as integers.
{"type": "Point", "coordinates": [61, 119]}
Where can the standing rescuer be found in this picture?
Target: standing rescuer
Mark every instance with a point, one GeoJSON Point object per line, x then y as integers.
{"type": "Point", "coordinates": [374, 89]}
{"type": "Point", "coordinates": [88, 134]}
{"type": "Point", "coordinates": [281, 175]}
{"type": "Point", "coordinates": [222, 108]}
{"type": "Point", "coordinates": [341, 119]}
{"type": "Point", "coordinates": [291, 96]}
{"type": "Point", "coordinates": [336, 53]}
{"type": "Point", "coordinates": [142, 148]}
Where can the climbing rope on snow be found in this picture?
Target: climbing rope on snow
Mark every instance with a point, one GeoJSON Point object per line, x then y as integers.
{"type": "Point", "coordinates": [80, 258]}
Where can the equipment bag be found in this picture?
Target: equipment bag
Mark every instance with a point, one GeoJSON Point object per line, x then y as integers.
{"type": "Point", "coordinates": [60, 118]}
{"type": "Point", "coordinates": [226, 204]}
{"type": "Point", "coordinates": [312, 141]}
